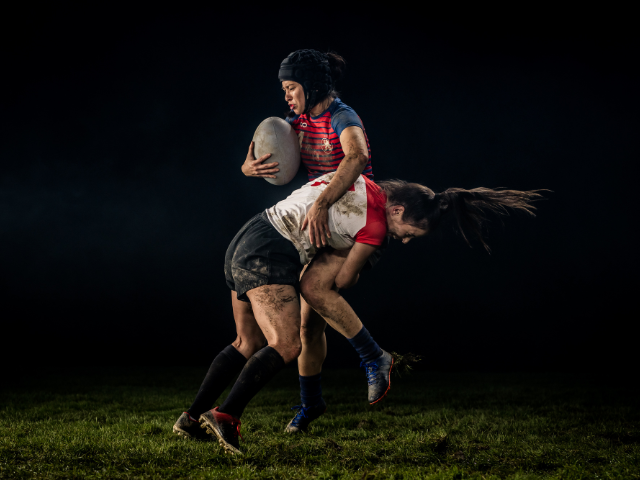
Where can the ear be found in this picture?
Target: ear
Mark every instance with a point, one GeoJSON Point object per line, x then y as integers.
{"type": "Point", "coordinates": [397, 210]}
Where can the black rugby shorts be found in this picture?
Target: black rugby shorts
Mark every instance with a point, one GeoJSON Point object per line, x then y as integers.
{"type": "Point", "coordinates": [258, 255]}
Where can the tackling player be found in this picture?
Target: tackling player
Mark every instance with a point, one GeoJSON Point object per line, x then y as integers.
{"type": "Point", "coordinates": [263, 265]}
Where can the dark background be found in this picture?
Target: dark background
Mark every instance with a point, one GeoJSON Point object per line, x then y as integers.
{"type": "Point", "coordinates": [123, 133]}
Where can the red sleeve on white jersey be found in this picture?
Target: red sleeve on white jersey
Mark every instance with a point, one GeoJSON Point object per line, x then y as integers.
{"type": "Point", "coordinates": [375, 228]}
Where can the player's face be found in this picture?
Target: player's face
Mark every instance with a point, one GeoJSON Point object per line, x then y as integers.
{"type": "Point", "coordinates": [400, 230]}
{"type": "Point", "coordinates": [294, 96]}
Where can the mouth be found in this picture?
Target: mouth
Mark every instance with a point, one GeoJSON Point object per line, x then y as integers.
{"type": "Point", "coordinates": [292, 106]}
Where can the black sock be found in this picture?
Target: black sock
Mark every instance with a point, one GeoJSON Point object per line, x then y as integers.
{"type": "Point", "coordinates": [260, 368]}
{"type": "Point", "coordinates": [222, 370]}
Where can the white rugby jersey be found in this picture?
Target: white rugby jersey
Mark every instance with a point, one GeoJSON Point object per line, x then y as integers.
{"type": "Point", "coordinates": [358, 216]}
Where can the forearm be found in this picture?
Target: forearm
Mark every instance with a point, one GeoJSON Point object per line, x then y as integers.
{"type": "Point", "coordinates": [348, 172]}
{"type": "Point", "coordinates": [344, 281]}
{"type": "Point", "coordinates": [349, 273]}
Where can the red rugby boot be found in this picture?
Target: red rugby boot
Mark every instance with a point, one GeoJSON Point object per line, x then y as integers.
{"type": "Point", "coordinates": [223, 426]}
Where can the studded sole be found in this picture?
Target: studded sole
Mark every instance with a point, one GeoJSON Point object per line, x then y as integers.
{"type": "Point", "coordinates": [181, 433]}
{"type": "Point", "coordinates": [212, 429]}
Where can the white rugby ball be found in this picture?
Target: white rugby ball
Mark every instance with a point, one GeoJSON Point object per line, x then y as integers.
{"type": "Point", "coordinates": [275, 136]}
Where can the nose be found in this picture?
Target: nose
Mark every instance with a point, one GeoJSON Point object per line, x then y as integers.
{"type": "Point", "coordinates": [287, 96]}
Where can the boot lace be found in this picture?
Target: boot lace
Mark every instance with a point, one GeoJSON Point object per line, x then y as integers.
{"type": "Point", "coordinates": [371, 370]}
{"type": "Point", "coordinates": [300, 415]}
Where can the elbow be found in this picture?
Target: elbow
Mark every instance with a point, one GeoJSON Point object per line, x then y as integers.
{"type": "Point", "coordinates": [361, 159]}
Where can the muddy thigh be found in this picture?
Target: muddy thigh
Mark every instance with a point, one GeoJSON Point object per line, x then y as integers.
{"type": "Point", "coordinates": [319, 277]}
{"type": "Point", "coordinates": [318, 290]}
{"type": "Point", "coordinates": [277, 312]}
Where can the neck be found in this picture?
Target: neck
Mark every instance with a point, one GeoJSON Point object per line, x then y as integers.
{"type": "Point", "coordinates": [321, 107]}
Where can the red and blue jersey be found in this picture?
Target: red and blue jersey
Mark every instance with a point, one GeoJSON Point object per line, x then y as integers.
{"type": "Point", "coordinates": [320, 148]}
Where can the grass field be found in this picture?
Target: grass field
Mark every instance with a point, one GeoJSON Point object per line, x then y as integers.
{"type": "Point", "coordinates": [117, 424]}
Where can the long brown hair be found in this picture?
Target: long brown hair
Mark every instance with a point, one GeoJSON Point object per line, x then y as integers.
{"type": "Point", "coordinates": [425, 209]}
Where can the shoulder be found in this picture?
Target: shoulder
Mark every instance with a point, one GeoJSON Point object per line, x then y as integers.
{"type": "Point", "coordinates": [375, 195]}
{"type": "Point", "coordinates": [343, 116]}
{"type": "Point", "coordinates": [338, 107]}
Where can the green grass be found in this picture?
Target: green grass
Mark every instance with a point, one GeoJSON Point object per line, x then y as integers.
{"type": "Point", "coordinates": [117, 424]}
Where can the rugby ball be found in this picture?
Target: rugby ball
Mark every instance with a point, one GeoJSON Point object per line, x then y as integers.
{"type": "Point", "coordinates": [275, 136]}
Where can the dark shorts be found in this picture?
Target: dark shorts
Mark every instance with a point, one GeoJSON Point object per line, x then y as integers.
{"type": "Point", "coordinates": [258, 255]}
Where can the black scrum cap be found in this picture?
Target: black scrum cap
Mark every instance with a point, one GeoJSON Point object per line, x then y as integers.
{"type": "Point", "coordinates": [310, 69]}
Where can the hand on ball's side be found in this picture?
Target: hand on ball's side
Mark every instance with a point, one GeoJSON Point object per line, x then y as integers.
{"type": "Point", "coordinates": [253, 167]}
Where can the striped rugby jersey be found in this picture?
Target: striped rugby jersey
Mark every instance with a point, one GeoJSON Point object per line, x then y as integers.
{"type": "Point", "coordinates": [320, 148]}
{"type": "Point", "coordinates": [359, 216]}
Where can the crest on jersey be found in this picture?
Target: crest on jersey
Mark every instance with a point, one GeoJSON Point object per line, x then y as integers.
{"type": "Point", "coordinates": [326, 145]}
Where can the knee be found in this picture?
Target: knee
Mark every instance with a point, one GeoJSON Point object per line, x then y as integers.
{"type": "Point", "coordinates": [312, 292]}
{"type": "Point", "coordinates": [249, 344]}
{"type": "Point", "coordinates": [289, 350]}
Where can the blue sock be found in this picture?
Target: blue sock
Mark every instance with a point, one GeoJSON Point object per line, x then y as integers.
{"type": "Point", "coordinates": [310, 390]}
{"type": "Point", "coordinates": [366, 346]}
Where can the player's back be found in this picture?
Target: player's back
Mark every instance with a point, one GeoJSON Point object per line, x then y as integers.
{"type": "Point", "coordinates": [361, 206]}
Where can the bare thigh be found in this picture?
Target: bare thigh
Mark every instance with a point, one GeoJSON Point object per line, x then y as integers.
{"type": "Point", "coordinates": [277, 312]}
{"type": "Point", "coordinates": [317, 289]}
{"type": "Point", "coordinates": [319, 276]}
{"type": "Point", "coordinates": [320, 273]}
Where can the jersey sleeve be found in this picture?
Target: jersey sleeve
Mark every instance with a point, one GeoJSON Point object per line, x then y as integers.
{"type": "Point", "coordinates": [345, 117]}
{"type": "Point", "coordinates": [372, 233]}
{"type": "Point", "coordinates": [375, 228]}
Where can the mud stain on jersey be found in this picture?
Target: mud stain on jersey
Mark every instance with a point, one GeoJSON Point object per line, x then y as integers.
{"type": "Point", "coordinates": [348, 205]}
{"type": "Point", "coordinates": [319, 152]}
{"type": "Point", "coordinates": [289, 223]}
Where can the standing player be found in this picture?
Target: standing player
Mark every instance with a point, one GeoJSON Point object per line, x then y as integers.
{"type": "Point", "coordinates": [262, 269]}
{"type": "Point", "coordinates": [332, 139]}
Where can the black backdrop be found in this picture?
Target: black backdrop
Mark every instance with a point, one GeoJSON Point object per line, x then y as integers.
{"type": "Point", "coordinates": [123, 133]}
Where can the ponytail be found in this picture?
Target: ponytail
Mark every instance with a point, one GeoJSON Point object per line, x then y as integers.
{"type": "Point", "coordinates": [470, 206]}
{"type": "Point", "coordinates": [424, 209]}
{"type": "Point", "coordinates": [337, 65]}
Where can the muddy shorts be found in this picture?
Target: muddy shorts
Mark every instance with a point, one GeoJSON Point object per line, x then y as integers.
{"type": "Point", "coordinates": [258, 255]}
